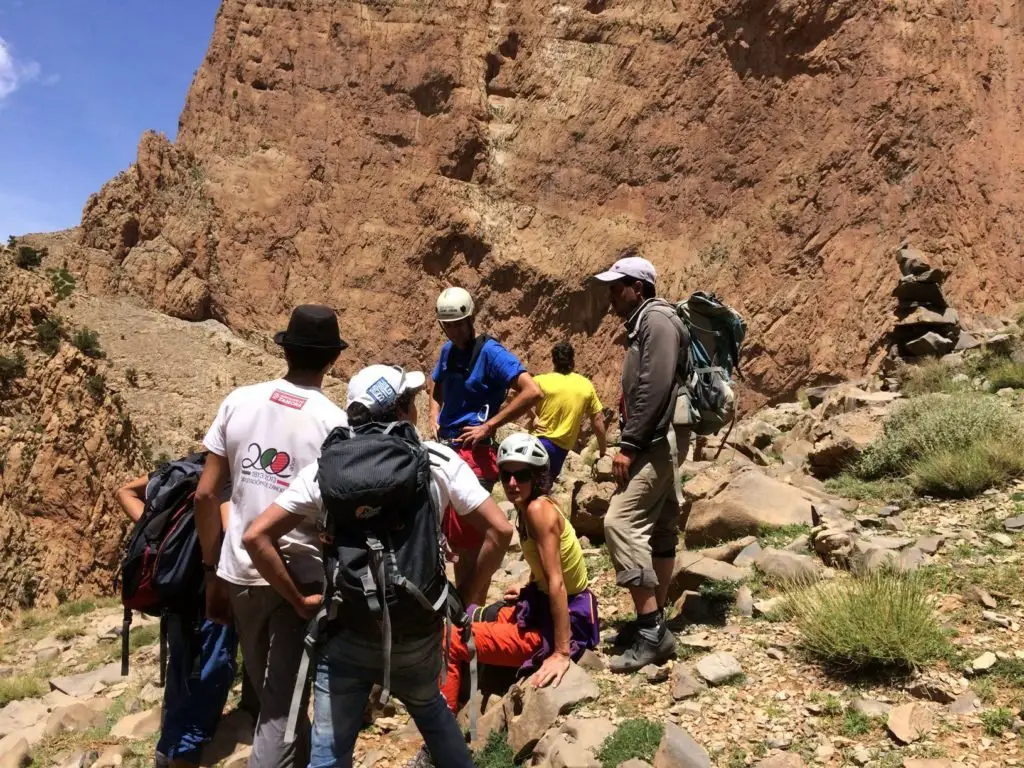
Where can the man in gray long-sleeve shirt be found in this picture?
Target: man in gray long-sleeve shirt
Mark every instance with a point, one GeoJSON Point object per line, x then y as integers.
{"type": "Point", "coordinates": [641, 526]}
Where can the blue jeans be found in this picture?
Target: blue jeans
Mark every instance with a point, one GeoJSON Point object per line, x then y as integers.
{"type": "Point", "coordinates": [200, 672]}
{"type": "Point", "coordinates": [346, 669]}
{"type": "Point", "coordinates": [557, 456]}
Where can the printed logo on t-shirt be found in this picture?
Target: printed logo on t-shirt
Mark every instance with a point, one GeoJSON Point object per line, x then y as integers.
{"type": "Point", "coordinates": [266, 467]}
{"type": "Point", "coordinates": [288, 400]}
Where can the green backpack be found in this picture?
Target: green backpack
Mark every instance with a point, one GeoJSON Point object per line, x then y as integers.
{"type": "Point", "coordinates": [716, 338]}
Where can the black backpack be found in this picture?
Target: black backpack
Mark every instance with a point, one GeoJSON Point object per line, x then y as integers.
{"type": "Point", "coordinates": [383, 555]}
{"type": "Point", "coordinates": [161, 569]}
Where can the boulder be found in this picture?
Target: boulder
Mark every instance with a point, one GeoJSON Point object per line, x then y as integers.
{"type": "Point", "coordinates": [931, 762]}
{"type": "Point", "coordinates": [112, 757]}
{"type": "Point", "coordinates": [1014, 524]}
{"type": "Point", "coordinates": [834, 544]}
{"type": "Point", "coordinates": [636, 762]}
{"type": "Point", "coordinates": [718, 668]}
{"type": "Point", "coordinates": [871, 707]}
{"type": "Point", "coordinates": [847, 398]}
{"type": "Point", "coordinates": [929, 344]}
{"type": "Point", "coordinates": [603, 469]}
{"type": "Point", "coordinates": [86, 684]}
{"type": "Point", "coordinates": [73, 718]}
{"type": "Point", "coordinates": [782, 760]}
{"type": "Point", "coordinates": [729, 551]}
{"type": "Point", "coordinates": [589, 506]}
{"type": "Point", "coordinates": [530, 712]}
{"type": "Point", "coordinates": [573, 744]}
{"type": "Point", "coordinates": [985, 662]}
{"type": "Point", "coordinates": [786, 567]}
{"type": "Point", "coordinates": [911, 261]}
{"type": "Point", "coordinates": [755, 434]}
{"type": "Point", "coordinates": [14, 752]}
{"type": "Point", "coordinates": [967, 703]}
{"type": "Point", "coordinates": [909, 722]}
{"type": "Point", "coordinates": [679, 750]}
{"type": "Point", "coordinates": [932, 689]}
{"type": "Point", "coordinates": [910, 290]}
{"type": "Point", "coordinates": [929, 544]}
{"type": "Point", "coordinates": [684, 684]}
{"type": "Point", "coordinates": [922, 317]}
{"type": "Point", "coordinates": [22, 714]}
{"type": "Point", "coordinates": [141, 725]}
{"type": "Point", "coordinates": [749, 554]}
{"type": "Point", "coordinates": [975, 594]}
{"type": "Point", "coordinates": [693, 569]}
{"type": "Point", "coordinates": [750, 502]}
{"type": "Point", "coordinates": [911, 559]}
{"type": "Point", "coordinates": [744, 602]}
{"type": "Point", "coordinates": [816, 395]}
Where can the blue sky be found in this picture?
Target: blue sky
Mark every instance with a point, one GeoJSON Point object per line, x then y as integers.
{"type": "Point", "coordinates": [80, 80]}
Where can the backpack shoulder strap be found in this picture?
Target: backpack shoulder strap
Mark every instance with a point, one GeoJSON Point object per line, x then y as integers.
{"type": "Point", "coordinates": [478, 347]}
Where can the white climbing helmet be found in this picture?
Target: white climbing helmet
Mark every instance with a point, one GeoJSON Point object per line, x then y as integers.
{"type": "Point", "coordinates": [523, 449]}
{"type": "Point", "coordinates": [454, 304]}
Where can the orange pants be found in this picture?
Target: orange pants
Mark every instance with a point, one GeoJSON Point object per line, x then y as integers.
{"type": "Point", "coordinates": [499, 643]}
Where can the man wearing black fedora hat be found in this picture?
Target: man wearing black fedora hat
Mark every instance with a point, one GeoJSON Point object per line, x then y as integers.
{"type": "Point", "coordinates": [262, 436]}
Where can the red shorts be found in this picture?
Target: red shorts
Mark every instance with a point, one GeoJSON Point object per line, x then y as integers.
{"type": "Point", "coordinates": [483, 460]}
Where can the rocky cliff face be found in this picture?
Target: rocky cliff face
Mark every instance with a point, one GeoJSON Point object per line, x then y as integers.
{"type": "Point", "coordinates": [66, 444]}
{"type": "Point", "coordinates": [365, 154]}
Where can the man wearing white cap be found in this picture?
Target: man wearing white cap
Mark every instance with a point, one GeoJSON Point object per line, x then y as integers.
{"type": "Point", "coordinates": [381, 401]}
{"type": "Point", "coordinates": [641, 525]}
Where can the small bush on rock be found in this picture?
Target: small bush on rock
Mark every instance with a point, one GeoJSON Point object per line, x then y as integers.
{"type": "Point", "coordinates": [62, 282]}
{"type": "Point", "coordinates": [11, 368]}
{"type": "Point", "coordinates": [88, 342]}
{"type": "Point", "coordinates": [28, 257]}
{"type": "Point", "coordinates": [49, 333]}
{"type": "Point", "coordinates": [97, 387]}
{"type": "Point", "coordinates": [878, 622]}
{"type": "Point", "coordinates": [633, 739]}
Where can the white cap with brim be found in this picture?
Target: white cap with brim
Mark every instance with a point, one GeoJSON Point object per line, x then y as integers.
{"type": "Point", "coordinates": [378, 386]}
{"type": "Point", "coordinates": [632, 266]}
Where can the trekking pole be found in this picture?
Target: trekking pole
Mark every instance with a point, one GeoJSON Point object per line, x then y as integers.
{"type": "Point", "coordinates": [725, 439]}
{"type": "Point", "coordinates": [163, 652]}
{"type": "Point", "coordinates": [126, 628]}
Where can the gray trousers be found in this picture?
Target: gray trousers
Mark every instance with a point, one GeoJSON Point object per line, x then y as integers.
{"type": "Point", "coordinates": [271, 634]}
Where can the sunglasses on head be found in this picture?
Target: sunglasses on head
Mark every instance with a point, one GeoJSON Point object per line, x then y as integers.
{"type": "Point", "coordinates": [521, 475]}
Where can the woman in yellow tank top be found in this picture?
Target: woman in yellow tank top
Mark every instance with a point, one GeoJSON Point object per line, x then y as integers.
{"type": "Point", "coordinates": [550, 620]}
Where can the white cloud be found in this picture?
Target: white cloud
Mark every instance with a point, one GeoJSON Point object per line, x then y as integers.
{"type": "Point", "coordinates": [14, 73]}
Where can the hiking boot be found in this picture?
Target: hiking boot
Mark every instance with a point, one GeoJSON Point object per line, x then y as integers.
{"type": "Point", "coordinates": [627, 635]}
{"type": "Point", "coordinates": [644, 652]}
{"type": "Point", "coordinates": [421, 759]}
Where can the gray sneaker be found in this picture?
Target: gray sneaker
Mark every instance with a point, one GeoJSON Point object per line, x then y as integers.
{"type": "Point", "coordinates": [644, 652]}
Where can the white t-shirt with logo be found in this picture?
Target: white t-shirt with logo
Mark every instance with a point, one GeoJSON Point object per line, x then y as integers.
{"type": "Point", "coordinates": [269, 432]}
{"type": "Point", "coordinates": [453, 483]}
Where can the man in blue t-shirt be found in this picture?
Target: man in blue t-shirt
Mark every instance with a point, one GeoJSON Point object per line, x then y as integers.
{"type": "Point", "coordinates": [472, 380]}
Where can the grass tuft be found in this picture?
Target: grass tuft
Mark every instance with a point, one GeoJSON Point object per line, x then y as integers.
{"type": "Point", "coordinates": [878, 622]}
{"type": "Point", "coordinates": [930, 377]}
{"type": "Point", "coordinates": [637, 739]}
{"type": "Point", "coordinates": [781, 536]}
{"type": "Point", "coordinates": [1004, 374]}
{"type": "Point", "coordinates": [76, 608]}
{"type": "Point", "coordinates": [950, 445]}
{"type": "Point", "coordinates": [496, 753]}
{"type": "Point", "coordinates": [21, 687]}
{"type": "Point", "coordinates": [997, 721]}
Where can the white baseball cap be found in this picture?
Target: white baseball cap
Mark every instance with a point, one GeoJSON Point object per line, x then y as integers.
{"type": "Point", "coordinates": [378, 386]}
{"type": "Point", "coordinates": [635, 267]}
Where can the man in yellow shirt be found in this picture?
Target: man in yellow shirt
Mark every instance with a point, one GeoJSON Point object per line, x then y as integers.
{"type": "Point", "coordinates": [568, 398]}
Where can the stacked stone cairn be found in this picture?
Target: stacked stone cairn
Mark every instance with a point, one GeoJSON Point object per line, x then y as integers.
{"type": "Point", "coordinates": [926, 325]}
